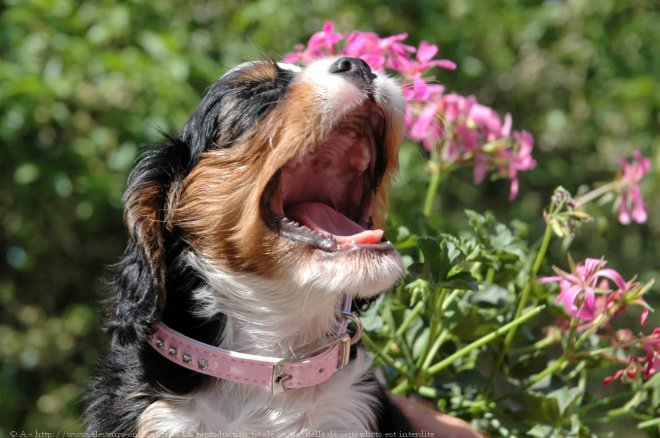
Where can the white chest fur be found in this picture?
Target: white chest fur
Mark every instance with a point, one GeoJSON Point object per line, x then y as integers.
{"type": "Point", "coordinates": [343, 403]}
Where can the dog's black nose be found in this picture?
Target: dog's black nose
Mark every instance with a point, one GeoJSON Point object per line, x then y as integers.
{"type": "Point", "coordinates": [355, 69]}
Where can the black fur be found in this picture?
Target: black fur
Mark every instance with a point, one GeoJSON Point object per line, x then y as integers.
{"type": "Point", "coordinates": [150, 282]}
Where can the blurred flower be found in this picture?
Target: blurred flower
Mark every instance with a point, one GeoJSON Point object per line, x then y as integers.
{"type": "Point", "coordinates": [652, 356]}
{"type": "Point", "coordinates": [421, 91]}
{"type": "Point", "coordinates": [631, 204]}
{"type": "Point", "coordinates": [578, 289]}
{"type": "Point", "coordinates": [319, 45]}
{"type": "Point", "coordinates": [378, 52]}
{"type": "Point", "coordinates": [565, 214]}
{"type": "Point", "coordinates": [518, 159]}
{"type": "Point", "coordinates": [628, 373]}
{"type": "Point", "coordinates": [462, 130]}
{"type": "Point", "coordinates": [622, 338]}
{"type": "Point", "coordinates": [425, 127]}
{"type": "Point", "coordinates": [414, 68]}
{"type": "Point", "coordinates": [619, 299]}
{"type": "Point", "coordinates": [647, 365]}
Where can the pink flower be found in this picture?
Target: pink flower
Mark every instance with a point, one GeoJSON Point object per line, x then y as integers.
{"type": "Point", "coordinates": [465, 131]}
{"type": "Point", "coordinates": [421, 91]}
{"type": "Point", "coordinates": [628, 373]}
{"type": "Point", "coordinates": [644, 315]}
{"type": "Point", "coordinates": [365, 45]}
{"type": "Point", "coordinates": [578, 289]}
{"type": "Point", "coordinates": [622, 338]}
{"type": "Point", "coordinates": [631, 204]}
{"type": "Point", "coordinates": [648, 365]}
{"type": "Point", "coordinates": [425, 127]}
{"type": "Point", "coordinates": [519, 159]}
{"type": "Point", "coordinates": [423, 61]}
{"type": "Point", "coordinates": [652, 356]}
{"type": "Point", "coordinates": [359, 43]}
{"type": "Point", "coordinates": [320, 44]}
{"type": "Point", "coordinates": [324, 41]}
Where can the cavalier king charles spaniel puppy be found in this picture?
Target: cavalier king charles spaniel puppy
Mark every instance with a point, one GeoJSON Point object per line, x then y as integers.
{"type": "Point", "coordinates": [251, 232]}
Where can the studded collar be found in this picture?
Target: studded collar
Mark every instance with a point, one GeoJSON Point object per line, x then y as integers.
{"type": "Point", "coordinates": [277, 374]}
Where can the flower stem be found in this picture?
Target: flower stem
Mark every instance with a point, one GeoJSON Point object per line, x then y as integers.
{"type": "Point", "coordinates": [556, 366]}
{"type": "Point", "coordinates": [649, 423]}
{"type": "Point", "coordinates": [431, 191]}
{"type": "Point", "coordinates": [371, 345]}
{"type": "Point", "coordinates": [402, 328]}
{"type": "Point", "coordinates": [434, 326]}
{"type": "Point", "coordinates": [603, 401]}
{"type": "Point", "coordinates": [409, 319]}
{"type": "Point", "coordinates": [484, 340]}
{"type": "Point", "coordinates": [402, 387]}
{"type": "Point", "coordinates": [598, 192]}
{"type": "Point", "coordinates": [407, 383]}
{"type": "Point", "coordinates": [561, 362]}
{"type": "Point", "coordinates": [538, 345]}
{"type": "Point", "coordinates": [524, 297]}
{"type": "Point", "coordinates": [571, 339]}
{"type": "Point", "coordinates": [434, 349]}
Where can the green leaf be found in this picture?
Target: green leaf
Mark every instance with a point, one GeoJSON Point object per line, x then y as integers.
{"type": "Point", "coordinates": [543, 431]}
{"type": "Point", "coordinates": [420, 342]}
{"type": "Point", "coordinates": [419, 290]}
{"type": "Point", "coordinates": [436, 259]}
{"type": "Point", "coordinates": [461, 280]}
{"type": "Point", "coordinates": [415, 329]}
{"type": "Point", "coordinates": [565, 397]}
{"type": "Point", "coordinates": [493, 295]}
{"type": "Point", "coordinates": [475, 323]}
{"type": "Point", "coordinates": [538, 408]}
{"type": "Point", "coordinates": [371, 319]}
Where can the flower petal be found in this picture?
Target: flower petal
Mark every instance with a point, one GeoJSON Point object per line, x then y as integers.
{"type": "Point", "coordinates": [614, 276]}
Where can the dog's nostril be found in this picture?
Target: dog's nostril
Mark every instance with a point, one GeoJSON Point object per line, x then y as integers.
{"type": "Point", "coordinates": [341, 65]}
{"type": "Point", "coordinates": [354, 68]}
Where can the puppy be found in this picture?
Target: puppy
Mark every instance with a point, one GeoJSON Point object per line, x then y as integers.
{"type": "Point", "coordinates": [249, 233]}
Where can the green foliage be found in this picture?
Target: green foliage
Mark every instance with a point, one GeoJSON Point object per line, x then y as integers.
{"type": "Point", "coordinates": [448, 332]}
{"type": "Point", "coordinates": [83, 85]}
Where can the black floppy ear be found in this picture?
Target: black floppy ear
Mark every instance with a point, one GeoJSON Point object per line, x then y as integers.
{"type": "Point", "coordinates": [140, 278]}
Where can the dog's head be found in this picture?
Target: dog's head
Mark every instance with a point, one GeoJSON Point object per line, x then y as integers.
{"type": "Point", "coordinates": [280, 174]}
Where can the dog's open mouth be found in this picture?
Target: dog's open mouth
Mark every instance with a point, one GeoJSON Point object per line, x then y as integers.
{"type": "Point", "coordinates": [324, 199]}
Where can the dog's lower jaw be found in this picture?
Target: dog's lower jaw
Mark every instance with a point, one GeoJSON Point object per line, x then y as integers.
{"type": "Point", "coordinates": [359, 273]}
{"type": "Point", "coordinates": [298, 309]}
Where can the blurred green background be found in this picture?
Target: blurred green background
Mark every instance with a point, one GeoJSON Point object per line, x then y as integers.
{"type": "Point", "coordinates": [83, 84]}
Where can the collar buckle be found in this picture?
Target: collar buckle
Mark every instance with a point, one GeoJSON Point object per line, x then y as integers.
{"type": "Point", "coordinates": [280, 377]}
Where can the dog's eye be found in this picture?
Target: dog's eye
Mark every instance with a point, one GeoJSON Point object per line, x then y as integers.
{"type": "Point", "coordinates": [267, 100]}
{"type": "Point", "coordinates": [235, 103]}
{"type": "Point", "coordinates": [263, 95]}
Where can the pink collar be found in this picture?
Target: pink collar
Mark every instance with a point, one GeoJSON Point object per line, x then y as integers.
{"type": "Point", "coordinates": [278, 374]}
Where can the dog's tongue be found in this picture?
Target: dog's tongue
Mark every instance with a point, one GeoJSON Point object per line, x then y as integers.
{"type": "Point", "coordinates": [326, 220]}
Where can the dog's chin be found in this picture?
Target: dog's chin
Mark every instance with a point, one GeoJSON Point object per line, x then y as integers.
{"type": "Point", "coordinates": [361, 272]}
